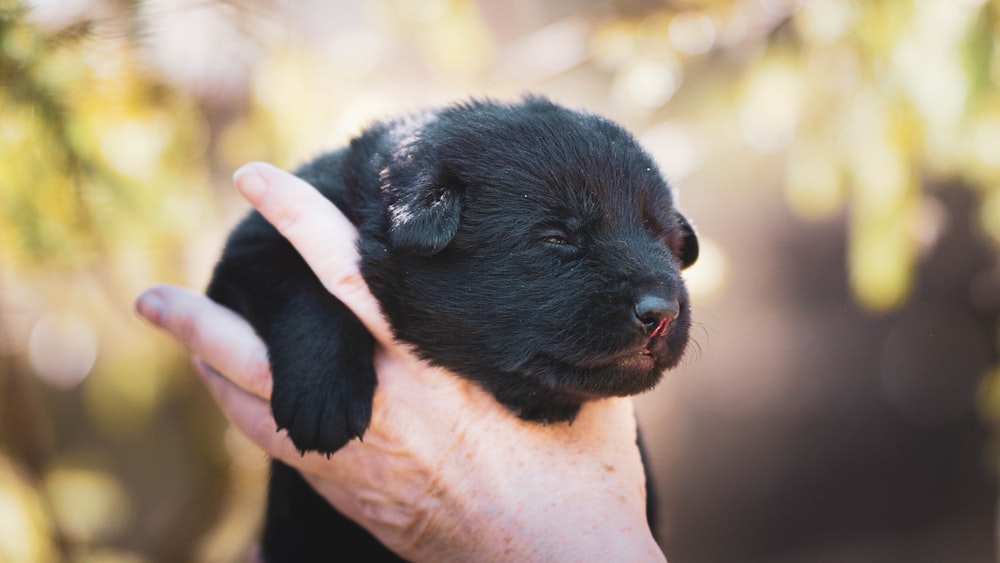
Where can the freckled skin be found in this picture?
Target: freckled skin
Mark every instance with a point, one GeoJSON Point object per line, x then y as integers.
{"type": "Point", "coordinates": [513, 244]}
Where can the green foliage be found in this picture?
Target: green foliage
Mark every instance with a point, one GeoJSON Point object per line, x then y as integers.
{"type": "Point", "coordinates": [89, 143]}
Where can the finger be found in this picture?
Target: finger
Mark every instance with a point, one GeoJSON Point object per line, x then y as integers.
{"type": "Point", "coordinates": [319, 231]}
{"type": "Point", "coordinates": [249, 413]}
{"type": "Point", "coordinates": [212, 332]}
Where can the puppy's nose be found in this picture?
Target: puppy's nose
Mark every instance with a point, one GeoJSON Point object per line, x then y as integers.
{"type": "Point", "coordinates": [654, 313]}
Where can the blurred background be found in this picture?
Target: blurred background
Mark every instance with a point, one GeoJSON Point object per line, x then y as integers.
{"type": "Point", "coordinates": [840, 158]}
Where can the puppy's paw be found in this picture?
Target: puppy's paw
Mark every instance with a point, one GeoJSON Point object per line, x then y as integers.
{"type": "Point", "coordinates": [322, 411]}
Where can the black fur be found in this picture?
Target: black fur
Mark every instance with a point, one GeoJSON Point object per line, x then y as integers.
{"type": "Point", "coordinates": [533, 249]}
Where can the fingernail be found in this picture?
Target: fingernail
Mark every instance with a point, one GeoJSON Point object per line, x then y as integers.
{"type": "Point", "coordinates": [249, 182]}
{"type": "Point", "coordinates": [150, 305]}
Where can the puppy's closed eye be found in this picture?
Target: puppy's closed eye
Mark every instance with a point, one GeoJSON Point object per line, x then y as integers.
{"type": "Point", "coordinates": [557, 240]}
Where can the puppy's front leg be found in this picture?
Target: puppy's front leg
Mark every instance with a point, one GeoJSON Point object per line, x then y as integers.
{"type": "Point", "coordinates": [320, 354]}
{"type": "Point", "coordinates": [321, 358]}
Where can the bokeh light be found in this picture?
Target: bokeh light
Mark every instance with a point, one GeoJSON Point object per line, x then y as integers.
{"type": "Point", "coordinates": [770, 110]}
{"type": "Point", "coordinates": [708, 276]}
{"type": "Point", "coordinates": [89, 505]}
{"type": "Point", "coordinates": [26, 533]}
{"type": "Point", "coordinates": [692, 33]}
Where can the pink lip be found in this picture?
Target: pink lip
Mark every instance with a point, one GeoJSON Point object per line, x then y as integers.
{"type": "Point", "coordinates": [636, 358]}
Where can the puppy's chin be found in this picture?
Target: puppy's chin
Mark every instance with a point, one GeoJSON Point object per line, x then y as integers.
{"type": "Point", "coordinates": [627, 376]}
{"type": "Point", "coordinates": [622, 376]}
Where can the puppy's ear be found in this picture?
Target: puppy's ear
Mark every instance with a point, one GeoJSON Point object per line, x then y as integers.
{"type": "Point", "coordinates": [424, 217]}
{"type": "Point", "coordinates": [689, 242]}
{"type": "Point", "coordinates": [423, 201]}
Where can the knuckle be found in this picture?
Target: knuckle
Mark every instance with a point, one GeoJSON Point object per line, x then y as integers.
{"type": "Point", "coordinates": [257, 370]}
{"type": "Point", "coordinates": [292, 223]}
{"type": "Point", "coordinates": [187, 329]}
{"type": "Point", "coordinates": [397, 514]}
{"type": "Point", "coordinates": [284, 215]}
{"type": "Point", "coordinates": [348, 284]}
{"type": "Point", "coordinates": [263, 430]}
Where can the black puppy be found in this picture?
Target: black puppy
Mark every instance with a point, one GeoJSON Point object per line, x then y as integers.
{"type": "Point", "coordinates": [530, 248]}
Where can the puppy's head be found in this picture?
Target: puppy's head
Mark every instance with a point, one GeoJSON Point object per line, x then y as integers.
{"type": "Point", "coordinates": [530, 245]}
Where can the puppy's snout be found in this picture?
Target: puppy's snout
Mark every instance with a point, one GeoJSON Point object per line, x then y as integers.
{"type": "Point", "coordinates": [655, 313]}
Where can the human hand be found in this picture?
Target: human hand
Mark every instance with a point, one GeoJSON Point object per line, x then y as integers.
{"type": "Point", "coordinates": [444, 471]}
